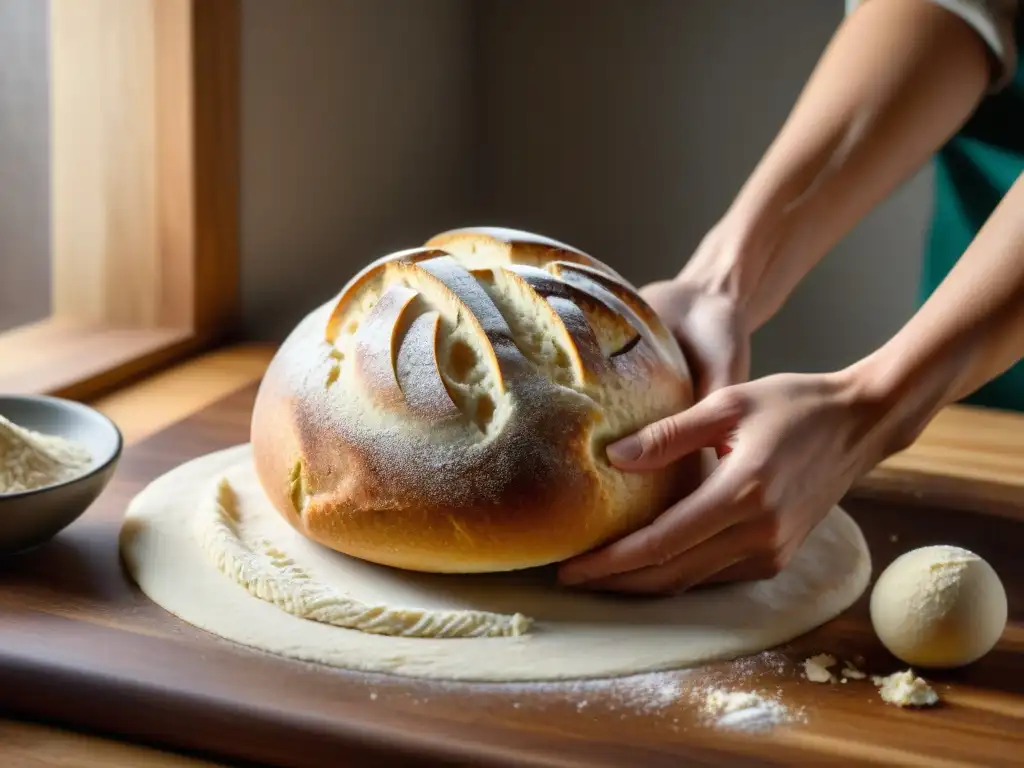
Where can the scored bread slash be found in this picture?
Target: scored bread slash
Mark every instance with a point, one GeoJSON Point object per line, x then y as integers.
{"type": "Point", "coordinates": [416, 370]}
{"type": "Point", "coordinates": [448, 410]}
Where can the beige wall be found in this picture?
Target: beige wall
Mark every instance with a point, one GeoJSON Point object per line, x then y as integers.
{"type": "Point", "coordinates": [24, 163]}
{"type": "Point", "coordinates": [357, 139]}
{"type": "Point", "coordinates": [626, 128]}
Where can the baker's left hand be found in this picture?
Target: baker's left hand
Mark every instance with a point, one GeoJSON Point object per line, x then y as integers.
{"type": "Point", "coordinates": [798, 442]}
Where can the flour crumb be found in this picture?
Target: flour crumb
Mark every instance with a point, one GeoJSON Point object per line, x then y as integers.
{"type": "Point", "coordinates": [373, 696]}
{"type": "Point", "coordinates": [744, 710]}
{"type": "Point", "coordinates": [30, 460]}
{"type": "Point", "coordinates": [849, 670]}
{"type": "Point", "coordinates": [905, 689]}
{"type": "Point", "coordinates": [894, 538]}
{"type": "Point", "coordinates": [816, 668]}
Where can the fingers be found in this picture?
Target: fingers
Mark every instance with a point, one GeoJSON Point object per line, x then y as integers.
{"type": "Point", "coordinates": [743, 552]}
{"type": "Point", "coordinates": [766, 564]}
{"type": "Point", "coordinates": [730, 548]}
{"type": "Point", "coordinates": [708, 423]}
{"type": "Point", "coordinates": [717, 504]}
{"type": "Point", "coordinates": [755, 568]}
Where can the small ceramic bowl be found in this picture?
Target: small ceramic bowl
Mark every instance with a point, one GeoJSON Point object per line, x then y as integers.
{"type": "Point", "coordinates": [29, 518]}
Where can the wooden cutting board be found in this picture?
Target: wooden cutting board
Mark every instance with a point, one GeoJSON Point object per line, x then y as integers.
{"type": "Point", "coordinates": [80, 645]}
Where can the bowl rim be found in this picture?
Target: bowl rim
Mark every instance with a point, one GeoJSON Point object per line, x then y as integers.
{"type": "Point", "coordinates": [52, 400]}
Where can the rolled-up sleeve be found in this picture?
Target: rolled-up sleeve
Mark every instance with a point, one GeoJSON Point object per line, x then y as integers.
{"type": "Point", "coordinates": [993, 20]}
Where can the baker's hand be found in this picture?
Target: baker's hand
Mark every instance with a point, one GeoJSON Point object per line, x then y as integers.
{"type": "Point", "coordinates": [797, 443]}
{"type": "Point", "coordinates": [708, 327]}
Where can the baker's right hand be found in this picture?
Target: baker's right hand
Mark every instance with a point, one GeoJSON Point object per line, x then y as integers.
{"type": "Point", "coordinates": [708, 326]}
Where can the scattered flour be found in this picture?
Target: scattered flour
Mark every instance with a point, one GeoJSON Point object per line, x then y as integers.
{"type": "Point", "coordinates": [649, 694]}
{"type": "Point", "coordinates": [905, 689]}
{"type": "Point", "coordinates": [744, 710]}
{"type": "Point", "coordinates": [731, 699]}
{"type": "Point", "coordinates": [30, 460]}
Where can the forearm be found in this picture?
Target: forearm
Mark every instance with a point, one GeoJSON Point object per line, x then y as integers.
{"type": "Point", "coordinates": [896, 81]}
{"type": "Point", "coordinates": [969, 331]}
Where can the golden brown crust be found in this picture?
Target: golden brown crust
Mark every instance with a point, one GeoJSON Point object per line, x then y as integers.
{"type": "Point", "coordinates": [490, 456]}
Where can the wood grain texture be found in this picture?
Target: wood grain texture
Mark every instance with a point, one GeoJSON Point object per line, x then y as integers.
{"type": "Point", "coordinates": [79, 645]}
{"type": "Point", "coordinates": [141, 409]}
{"type": "Point", "coordinates": [216, 163]}
{"type": "Point", "coordinates": [144, 186]}
{"type": "Point", "coordinates": [61, 356]}
{"type": "Point", "coordinates": [967, 458]}
{"type": "Point", "coordinates": [104, 195]}
{"type": "Point", "coordinates": [30, 745]}
{"type": "Point", "coordinates": [144, 193]}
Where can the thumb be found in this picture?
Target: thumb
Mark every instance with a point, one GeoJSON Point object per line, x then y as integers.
{"type": "Point", "coordinates": [659, 444]}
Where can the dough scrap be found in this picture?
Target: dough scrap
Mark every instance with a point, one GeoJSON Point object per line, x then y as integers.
{"type": "Point", "coordinates": [816, 668]}
{"type": "Point", "coordinates": [574, 635]}
{"type": "Point", "coordinates": [905, 689]}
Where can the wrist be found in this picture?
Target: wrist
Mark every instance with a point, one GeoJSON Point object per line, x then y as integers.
{"type": "Point", "coordinates": [733, 260]}
{"type": "Point", "coordinates": [902, 390]}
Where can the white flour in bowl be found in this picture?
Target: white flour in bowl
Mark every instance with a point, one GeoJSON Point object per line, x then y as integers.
{"type": "Point", "coordinates": [30, 460]}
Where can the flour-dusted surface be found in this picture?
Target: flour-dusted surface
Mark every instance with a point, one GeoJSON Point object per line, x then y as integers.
{"type": "Point", "coordinates": [574, 636]}
{"type": "Point", "coordinates": [30, 459]}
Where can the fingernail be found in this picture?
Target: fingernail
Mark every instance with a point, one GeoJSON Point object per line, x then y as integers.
{"type": "Point", "coordinates": [627, 449]}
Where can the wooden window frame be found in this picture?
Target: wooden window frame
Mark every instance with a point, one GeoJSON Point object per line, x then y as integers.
{"type": "Point", "coordinates": [144, 194]}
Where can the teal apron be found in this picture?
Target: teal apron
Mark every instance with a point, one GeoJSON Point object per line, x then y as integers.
{"type": "Point", "coordinates": [974, 170]}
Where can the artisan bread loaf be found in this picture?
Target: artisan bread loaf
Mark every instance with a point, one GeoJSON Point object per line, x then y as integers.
{"type": "Point", "coordinates": [449, 410]}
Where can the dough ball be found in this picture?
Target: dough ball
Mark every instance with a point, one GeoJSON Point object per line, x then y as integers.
{"type": "Point", "coordinates": [939, 606]}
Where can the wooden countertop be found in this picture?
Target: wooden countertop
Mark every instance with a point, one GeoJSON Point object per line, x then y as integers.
{"type": "Point", "coordinates": [967, 458]}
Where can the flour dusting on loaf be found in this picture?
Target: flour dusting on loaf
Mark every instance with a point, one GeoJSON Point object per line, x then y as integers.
{"type": "Point", "coordinates": [448, 411]}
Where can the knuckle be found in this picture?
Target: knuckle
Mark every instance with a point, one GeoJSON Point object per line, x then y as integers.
{"type": "Point", "coordinates": [651, 549]}
{"type": "Point", "coordinates": [778, 561]}
{"type": "Point", "coordinates": [775, 554]}
{"type": "Point", "coordinates": [770, 538]}
{"type": "Point", "coordinates": [674, 589]}
{"type": "Point", "coordinates": [657, 438]}
{"type": "Point", "coordinates": [731, 402]}
{"type": "Point", "coordinates": [773, 531]}
{"type": "Point", "coordinates": [754, 495]}
{"type": "Point", "coordinates": [679, 582]}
